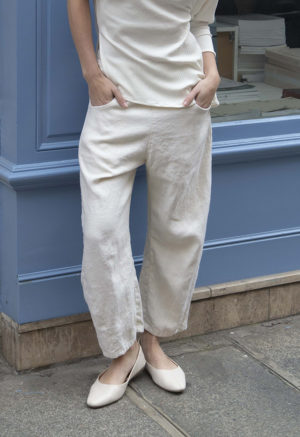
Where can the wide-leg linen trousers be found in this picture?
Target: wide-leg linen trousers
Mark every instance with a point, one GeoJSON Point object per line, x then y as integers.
{"type": "Point", "coordinates": [175, 146]}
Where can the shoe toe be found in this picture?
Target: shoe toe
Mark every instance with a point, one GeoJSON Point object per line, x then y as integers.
{"type": "Point", "coordinates": [169, 379]}
{"type": "Point", "coordinates": [175, 381]}
{"type": "Point", "coordinates": [102, 394]}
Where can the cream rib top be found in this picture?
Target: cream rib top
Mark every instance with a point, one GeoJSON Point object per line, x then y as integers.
{"type": "Point", "coordinates": [152, 49]}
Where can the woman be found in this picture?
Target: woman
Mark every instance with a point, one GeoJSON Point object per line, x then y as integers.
{"type": "Point", "coordinates": [151, 83]}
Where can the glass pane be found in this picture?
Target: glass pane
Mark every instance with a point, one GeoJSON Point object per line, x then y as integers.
{"type": "Point", "coordinates": [258, 57]}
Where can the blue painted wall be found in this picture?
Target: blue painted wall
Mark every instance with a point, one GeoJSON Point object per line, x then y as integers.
{"type": "Point", "coordinates": [254, 220]}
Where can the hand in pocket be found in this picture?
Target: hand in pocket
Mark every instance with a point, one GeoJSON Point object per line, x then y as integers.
{"type": "Point", "coordinates": [102, 91]}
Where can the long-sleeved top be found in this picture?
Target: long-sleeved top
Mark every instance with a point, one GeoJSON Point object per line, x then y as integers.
{"type": "Point", "coordinates": [152, 49]}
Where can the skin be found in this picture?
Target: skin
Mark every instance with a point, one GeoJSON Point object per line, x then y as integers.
{"type": "Point", "coordinates": [101, 88]}
{"type": "Point", "coordinates": [205, 89]}
{"type": "Point", "coordinates": [101, 91]}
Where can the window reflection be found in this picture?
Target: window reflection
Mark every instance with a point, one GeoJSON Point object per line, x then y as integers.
{"type": "Point", "coordinates": [258, 57]}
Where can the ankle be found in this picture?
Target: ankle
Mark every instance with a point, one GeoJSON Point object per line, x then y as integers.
{"type": "Point", "coordinates": [130, 351]}
{"type": "Point", "coordinates": [148, 339]}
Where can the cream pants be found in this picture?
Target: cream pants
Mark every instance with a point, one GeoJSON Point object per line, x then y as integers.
{"type": "Point", "coordinates": [175, 146]}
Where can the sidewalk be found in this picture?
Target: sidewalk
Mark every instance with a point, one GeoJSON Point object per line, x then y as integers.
{"type": "Point", "coordinates": [241, 382]}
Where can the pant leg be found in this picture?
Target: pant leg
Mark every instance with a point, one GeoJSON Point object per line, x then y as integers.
{"type": "Point", "coordinates": [179, 189]}
{"type": "Point", "coordinates": [111, 147]}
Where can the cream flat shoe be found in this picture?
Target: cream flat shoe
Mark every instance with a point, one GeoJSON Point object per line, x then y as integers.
{"type": "Point", "coordinates": [168, 379]}
{"type": "Point", "coordinates": [102, 394]}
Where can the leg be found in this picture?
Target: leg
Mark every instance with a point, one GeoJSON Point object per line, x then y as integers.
{"type": "Point", "coordinates": [179, 185]}
{"type": "Point", "coordinates": [110, 150]}
{"type": "Point", "coordinates": [108, 274]}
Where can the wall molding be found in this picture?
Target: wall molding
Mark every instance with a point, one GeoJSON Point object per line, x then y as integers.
{"type": "Point", "coordinates": [138, 260]}
{"type": "Point", "coordinates": [62, 172]}
{"type": "Point", "coordinates": [213, 308]}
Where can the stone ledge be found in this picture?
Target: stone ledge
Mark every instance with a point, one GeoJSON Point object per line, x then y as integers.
{"type": "Point", "coordinates": [213, 308]}
{"type": "Point", "coordinates": [247, 284]}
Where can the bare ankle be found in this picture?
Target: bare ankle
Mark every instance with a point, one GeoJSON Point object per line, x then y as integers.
{"type": "Point", "coordinates": [129, 351]}
{"type": "Point", "coordinates": [148, 338]}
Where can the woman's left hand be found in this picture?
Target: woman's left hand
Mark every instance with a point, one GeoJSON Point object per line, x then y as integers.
{"type": "Point", "coordinates": [203, 91]}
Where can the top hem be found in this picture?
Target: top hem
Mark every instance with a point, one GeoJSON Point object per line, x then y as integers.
{"type": "Point", "coordinates": [215, 102]}
{"type": "Point", "coordinates": [155, 103]}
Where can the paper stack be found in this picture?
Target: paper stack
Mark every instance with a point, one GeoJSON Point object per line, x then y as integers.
{"type": "Point", "coordinates": [257, 32]}
{"type": "Point", "coordinates": [258, 29]}
{"type": "Point", "coordinates": [231, 91]}
{"type": "Point", "coordinates": [282, 67]}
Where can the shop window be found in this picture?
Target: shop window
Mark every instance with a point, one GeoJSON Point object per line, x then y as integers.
{"type": "Point", "coordinates": [258, 56]}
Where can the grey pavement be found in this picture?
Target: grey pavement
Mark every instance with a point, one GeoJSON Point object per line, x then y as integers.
{"type": "Point", "coordinates": [241, 382]}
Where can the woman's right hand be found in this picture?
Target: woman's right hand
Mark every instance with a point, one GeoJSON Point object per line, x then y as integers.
{"type": "Point", "coordinates": [102, 90]}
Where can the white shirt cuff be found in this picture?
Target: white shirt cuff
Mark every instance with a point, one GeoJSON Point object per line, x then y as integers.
{"type": "Point", "coordinates": [204, 38]}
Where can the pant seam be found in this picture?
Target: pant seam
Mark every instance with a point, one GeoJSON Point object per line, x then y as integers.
{"type": "Point", "coordinates": [150, 263]}
{"type": "Point", "coordinates": [197, 266]}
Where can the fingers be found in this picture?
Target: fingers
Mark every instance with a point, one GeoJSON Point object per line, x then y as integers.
{"type": "Point", "coordinates": [102, 90]}
{"type": "Point", "coordinates": [122, 102]}
{"type": "Point", "coordinates": [190, 97]}
{"type": "Point", "coordinates": [201, 93]}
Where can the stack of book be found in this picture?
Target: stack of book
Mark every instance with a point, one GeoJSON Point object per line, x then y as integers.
{"type": "Point", "coordinates": [282, 67]}
{"type": "Point", "coordinates": [231, 91]}
{"type": "Point", "coordinates": [257, 32]}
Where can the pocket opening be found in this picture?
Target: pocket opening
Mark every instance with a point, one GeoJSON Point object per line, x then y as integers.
{"type": "Point", "coordinates": [201, 107]}
{"type": "Point", "coordinates": [105, 104]}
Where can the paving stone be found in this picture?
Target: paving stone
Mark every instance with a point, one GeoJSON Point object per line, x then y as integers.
{"type": "Point", "coordinates": [51, 402]}
{"type": "Point", "coordinates": [228, 394]}
{"type": "Point", "coordinates": [276, 343]}
{"type": "Point", "coordinates": [239, 384]}
{"type": "Point", "coordinates": [195, 343]}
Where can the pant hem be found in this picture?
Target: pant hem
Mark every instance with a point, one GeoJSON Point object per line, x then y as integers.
{"type": "Point", "coordinates": [164, 332]}
{"type": "Point", "coordinates": [124, 349]}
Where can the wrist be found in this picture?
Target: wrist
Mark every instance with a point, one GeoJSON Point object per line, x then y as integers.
{"type": "Point", "coordinates": [91, 74]}
{"type": "Point", "coordinates": [213, 78]}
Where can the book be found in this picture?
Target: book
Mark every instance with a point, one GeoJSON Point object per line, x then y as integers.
{"type": "Point", "coordinates": [281, 77]}
{"type": "Point", "coordinates": [257, 50]}
{"type": "Point", "coordinates": [258, 29]}
{"type": "Point", "coordinates": [233, 91]}
{"type": "Point", "coordinates": [291, 92]}
{"type": "Point", "coordinates": [284, 57]}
